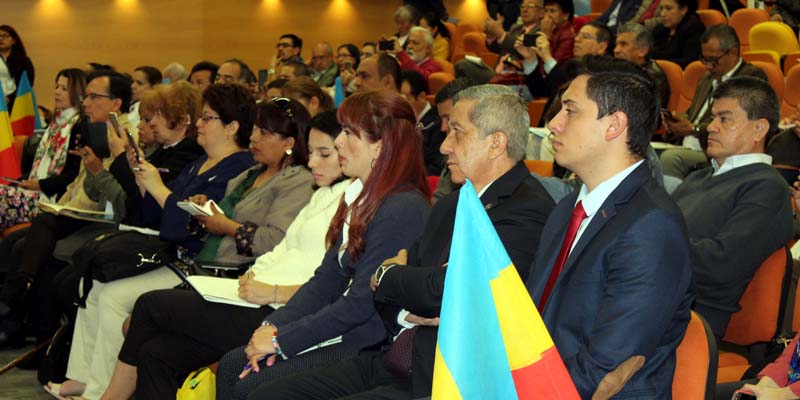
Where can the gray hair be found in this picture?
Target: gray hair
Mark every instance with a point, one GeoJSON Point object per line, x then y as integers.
{"type": "Point", "coordinates": [499, 109]}
{"type": "Point", "coordinates": [175, 71]}
{"type": "Point", "coordinates": [727, 37]}
{"type": "Point", "coordinates": [426, 34]}
{"type": "Point", "coordinates": [642, 38]}
{"type": "Point", "coordinates": [407, 13]}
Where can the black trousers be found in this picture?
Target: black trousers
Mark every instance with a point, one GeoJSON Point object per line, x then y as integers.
{"type": "Point", "coordinates": [361, 377]}
{"type": "Point", "coordinates": [174, 332]}
{"type": "Point", "coordinates": [46, 229]}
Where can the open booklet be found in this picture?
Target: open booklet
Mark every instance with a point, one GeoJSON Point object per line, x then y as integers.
{"type": "Point", "coordinates": [77, 213]}
{"type": "Point", "coordinates": [219, 290]}
{"type": "Point", "coordinates": [196, 209]}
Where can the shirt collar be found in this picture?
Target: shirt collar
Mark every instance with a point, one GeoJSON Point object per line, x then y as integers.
{"type": "Point", "coordinates": [740, 160]}
{"type": "Point", "coordinates": [352, 191]}
{"type": "Point", "coordinates": [64, 115]}
{"type": "Point", "coordinates": [730, 73]}
{"type": "Point", "coordinates": [424, 111]}
{"type": "Point", "coordinates": [485, 188]}
{"type": "Point", "coordinates": [594, 199]}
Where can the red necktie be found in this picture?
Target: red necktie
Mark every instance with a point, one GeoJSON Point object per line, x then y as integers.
{"type": "Point", "coordinates": [578, 214]}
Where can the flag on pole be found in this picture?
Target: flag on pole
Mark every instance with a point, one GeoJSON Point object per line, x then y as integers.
{"type": "Point", "coordinates": [25, 114]}
{"type": "Point", "coordinates": [506, 352]}
{"type": "Point", "coordinates": [9, 163]}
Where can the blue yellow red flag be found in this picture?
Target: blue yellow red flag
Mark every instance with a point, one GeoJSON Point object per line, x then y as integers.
{"type": "Point", "coordinates": [492, 341]}
{"type": "Point", "coordinates": [9, 162]}
{"type": "Point", "coordinates": [25, 114]}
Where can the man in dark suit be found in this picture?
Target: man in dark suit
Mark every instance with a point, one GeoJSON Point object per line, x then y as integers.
{"type": "Point", "coordinates": [485, 143]}
{"type": "Point", "coordinates": [414, 88]}
{"type": "Point", "coordinates": [612, 272]}
{"type": "Point", "coordinates": [720, 47]}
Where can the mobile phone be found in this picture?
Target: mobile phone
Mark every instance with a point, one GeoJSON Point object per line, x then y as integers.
{"type": "Point", "coordinates": [386, 45]}
{"type": "Point", "coordinates": [10, 180]}
{"type": "Point", "coordinates": [112, 117]}
{"type": "Point", "coordinates": [529, 40]}
{"type": "Point", "coordinates": [262, 77]}
{"type": "Point", "coordinates": [743, 395]}
{"type": "Point", "coordinates": [132, 143]}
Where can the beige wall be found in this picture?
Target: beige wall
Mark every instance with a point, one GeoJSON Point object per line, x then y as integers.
{"type": "Point", "coordinates": [129, 33]}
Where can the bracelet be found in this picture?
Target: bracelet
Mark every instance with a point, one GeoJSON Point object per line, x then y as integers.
{"type": "Point", "coordinates": [275, 293]}
{"type": "Point", "coordinates": [275, 344]}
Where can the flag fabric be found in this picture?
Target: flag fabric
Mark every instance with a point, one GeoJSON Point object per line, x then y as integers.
{"type": "Point", "coordinates": [492, 341]}
{"type": "Point", "coordinates": [25, 114]}
{"type": "Point", "coordinates": [9, 163]}
{"type": "Point", "coordinates": [338, 92]}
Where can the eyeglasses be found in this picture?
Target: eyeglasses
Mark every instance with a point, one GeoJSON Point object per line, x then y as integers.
{"type": "Point", "coordinates": [283, 45]}
{"type": "Point", "coordinates": [208, 117]}
{"type": "Point", "coordinates": [713, 61]}
{"type": "Point", "coordinates": [343, 55]}
{"type": "Point", "coordinates": [284, 104]}
{"type": "Point", "coordinates": [95, 96]}
{"type": "Point", "coordinates": [5, 36]}
{"type": "Point", "coordinates": [530, 6]}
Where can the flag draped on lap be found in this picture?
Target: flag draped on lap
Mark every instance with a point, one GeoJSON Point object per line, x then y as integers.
{"type": "Point", "coordinates": [25, 115]}
{"type": "Point", "coordinates": [9, 163]}
{"type": "Point", "coordinates": [492, 341]}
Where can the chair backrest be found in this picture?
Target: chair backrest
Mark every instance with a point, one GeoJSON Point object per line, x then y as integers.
{"type": "Point", "coordinates": [711, 17]}
{"type": "Point", "coordinates": [790, 61]}
{"type": "Point", "coordinates": [438, 79]}
{"type": "Point", "coordinates": [461, 30]}
{"type": "Point", "coordinates": [445, 65]}
{"type": "Point", "coordinates": [774, 76]}
{"type": "Point", "coordinates": [599, 5]}
{"type": "Point", "coordinates": [742, 20]}
{"type": "Point", "coordinates": [703, 5]}
{"type": "Point", "coordinates": [540, 167]}
{"type": "Point", "coordinates": [695, 362]}
{"type": "Point", "coordinates": [772, 35]}
{"type": "Point", "coordinates": [674, 75]}
{"type": "Point", "coordinates": [760, 315]}
{"type": "Point", "coordinates": [489, 58]}
{"type": "Point", "coordinates": [791, 94]}
{"type": "Point", "coordinates": [474, 43]}
{"type": "Point", "coordinates": [691, 76]}
{"type": "Point", "coordinates": [770, 56]}
{"type": "Point", "coordinates": [536, 110]}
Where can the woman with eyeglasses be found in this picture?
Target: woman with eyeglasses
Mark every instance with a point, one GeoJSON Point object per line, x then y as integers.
{"type": "Point", "coordinates": [347, 59]}
{"type": "Point", "coordinates": [53, 167]}
{"type": "Point", "coordinates": [383, 210]}
{"type": "Point", "coordinates": [677, 37]}
{"type": "Point", "coordinates": [258, 207]}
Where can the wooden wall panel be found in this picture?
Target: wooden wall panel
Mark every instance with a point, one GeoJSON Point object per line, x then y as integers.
{"type": "Point", "coordinates": [129, 33]}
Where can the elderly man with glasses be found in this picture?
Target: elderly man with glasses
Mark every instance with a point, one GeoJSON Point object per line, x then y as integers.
{"type": "Point", "coordinates": [720, 55]}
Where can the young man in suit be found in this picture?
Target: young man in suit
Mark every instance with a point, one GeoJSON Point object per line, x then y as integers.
{"type": "Point", "coordinates": [485, 144]}
{"type": "Point", "coordinates": [612, 271]}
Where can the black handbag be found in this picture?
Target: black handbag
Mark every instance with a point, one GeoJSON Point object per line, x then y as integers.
{"type": "Point", "coordinates": [118, 255]}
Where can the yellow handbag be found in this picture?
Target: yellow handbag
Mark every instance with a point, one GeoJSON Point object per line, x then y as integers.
{"type": "Point", "coordinates": [199, 385]}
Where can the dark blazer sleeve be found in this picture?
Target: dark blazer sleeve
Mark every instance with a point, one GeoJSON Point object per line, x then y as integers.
{"type": "Point", "coordinates": [319, 311]}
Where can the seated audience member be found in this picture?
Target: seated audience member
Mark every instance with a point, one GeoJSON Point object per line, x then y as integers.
{"type": "Point", "coordinates": [625, 248]}
{"type": "Point", "coordinates": [786, 11]}
{"type": "Point", "coordinates": [778, 380]}
{"type": "Point", "coordinates": [618, 13]}
{"type": "Point", "coordinates": [633, 44]}
{"type": "Point", "coordinates": [677, 37]}
{"type": "Point", "coordinates": [106, 92]}
{"type": "Point", "coordinates": [174, 72]}
{"type": "Point", "coordinates": [348, 58]}
{"type": "Point", "coordinates": [232, 71]}
{"type": "Point", "coordinates": [414, 88]}
{"type": "Point", "coordinates": [380, 72]}
{"type": "Point", "coordinates": [441, 36]}
{"type": "Point", "coordinates": [784, 147]}
{"type": "Point", "coordinates": [323, 69]}
{"type": "Point", "coordinates": [15, 62]}
{"type": "Point", "coordinates": [405, 18]}
{"type": "Point", "coordinates": [444, 107]}
{"type": "Point", "coordinates": [386, 206]}
{"type": "Point", "coordinates": [592, 39]}
{"type": "Point", "coordinates": [417, 53]}
{"type": "Point", "coordinates": [144, 78]}
{"type": "Point", "coordinates": [485, 145]}
{"type": "Point", "coordinates": [368, 49]}
{"type": "Point", "coordinates": [261, 202]}
{"type": "Point", "coordinates": [293, 70]}
{"type": "Point", "coordinates": [53, 166]}
{"type": "Point", "coordinates": [557, 27]}
{"type": "Point", "coordinates": [203, 75]}
{"type": "Point", "coordinates": [308, 93]}
{"type": "Point", "coordinates": [501, 42]}
{"type": "Point", "coordinates": [274, 89]}
{"type": "Point", "coordinates": [289, 47]}
{"type": "Point", "coordinates": [737, 211]}
{"type": "Point", "coordinates": [720, 47]}
{"type": "Point", "coordinates": [509, 10]}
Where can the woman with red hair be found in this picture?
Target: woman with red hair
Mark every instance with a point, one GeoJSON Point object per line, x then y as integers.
{"type": "Point", "coordinates": [384, 210]}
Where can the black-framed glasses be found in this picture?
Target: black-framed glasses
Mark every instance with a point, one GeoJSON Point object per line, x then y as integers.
{"type": "Point", "coordinates": [286, 105]}
{"type": "Point", "coordinates": [713, 61]}
{"type": "Point", "coordinates": [208, 117]}
{"type": "Point", "coordinates": [281, 45]}
{"type": "Point", "coordinates": [95, 96]}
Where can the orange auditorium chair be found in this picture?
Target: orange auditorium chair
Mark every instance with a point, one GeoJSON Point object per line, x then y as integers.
{"type": "Point", "coordinates": [691, 76]}
{"type": "Point", "coordinates": [695, 362]}
{"type": "Point", "coordinates": [674, 75]}
{"type": "Point", "coordinates": [438, 79]}
{"type": "Point", "coordinates": [445, 65]}
{"type": "Point", "coordinates": [458, 37]}
{"type": "Point", "coordinates": [711, 17]}
{"type": "Point", "coordinates": [474, 43]}
{"type": "Point", "coordinates": [790, 61]}
{"type": "Point", "coordinates": [742, 20]}
{"type": "Point", "coordinates": [599, 6]}
{"type": "Point", "coordinates": [774, 76]}
{"type": "Point", "coordinates": [791, 94]}
{"type": "Point", "coordinates": [769, 56]}
{"type": "Point", "coordinates": [759, 318]}
{"type": "Point", "coordinates": [774, 36]}
{"type": "Point", "coordinates": [536, 109]}
{"type": "Point", "coordinates": [540, 167]}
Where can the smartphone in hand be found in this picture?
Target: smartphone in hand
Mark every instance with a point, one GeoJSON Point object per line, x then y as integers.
{"type": "Point", "coordinates": [112, 117]}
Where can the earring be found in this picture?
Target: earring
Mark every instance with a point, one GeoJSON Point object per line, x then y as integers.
{"type": "Point", "coordinates": [371, 163]}
{"type": "Point", "coordinates": [288, 152]}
